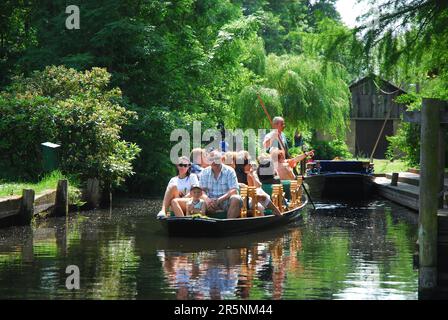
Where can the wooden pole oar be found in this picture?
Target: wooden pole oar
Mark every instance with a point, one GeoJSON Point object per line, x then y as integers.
{"type": "Point", "coordinates": [283, 147]}
{"type": "Point", "coordinates": [270, 121]}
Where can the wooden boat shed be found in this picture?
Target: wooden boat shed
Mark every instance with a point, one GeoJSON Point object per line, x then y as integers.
{"type": "Point", "coordinates": [372, 106]}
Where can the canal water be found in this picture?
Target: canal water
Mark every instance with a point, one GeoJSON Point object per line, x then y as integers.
{"type": "Point", "coordinates": [361, 251]}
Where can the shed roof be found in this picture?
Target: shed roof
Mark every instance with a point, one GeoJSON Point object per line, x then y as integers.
{"type": "Point", "coordinates": [371, 76]}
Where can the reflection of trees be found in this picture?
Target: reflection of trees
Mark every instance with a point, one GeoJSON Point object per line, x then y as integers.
{"type": "Point", "coordinates": [330, 254]}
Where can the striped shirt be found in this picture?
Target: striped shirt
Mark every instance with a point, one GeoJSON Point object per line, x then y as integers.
{"type": "Point", "coordinates": [216, 187]}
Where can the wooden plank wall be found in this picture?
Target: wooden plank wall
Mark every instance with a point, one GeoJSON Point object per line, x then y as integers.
{"type": "Point", "coordinates": [370, 103]}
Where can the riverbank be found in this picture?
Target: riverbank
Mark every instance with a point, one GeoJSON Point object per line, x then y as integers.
{"type": "Point", "coordinates": [48, 182]}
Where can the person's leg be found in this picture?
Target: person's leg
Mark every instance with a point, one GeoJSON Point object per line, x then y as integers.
{"type": "Point", "coordinates": [265, 200]}
{"type": "Point", "coordinates": [274, 209]}
{"type": "Point", "coordinates": [235, 205]}
{"type": "Point", "coordinates": [179, 206]}
{"type": "Point", "coordinates": [170, 193]}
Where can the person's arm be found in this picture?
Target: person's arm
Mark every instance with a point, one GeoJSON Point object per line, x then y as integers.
{"type": "Point", "coordinates": [293, 161]}
{"type": "Point", "coordinates": [232, 184]}
{"type": "Point", "coordinates": [269, 138]}
{"type": "Point", "coordinates": [203, 208]}
{"type": "Point", "coordinates": [189, 208]}
{"type": "Point", "coordinates": [254, 178]}
{"type": "Point", "coordinates": [227, 195]}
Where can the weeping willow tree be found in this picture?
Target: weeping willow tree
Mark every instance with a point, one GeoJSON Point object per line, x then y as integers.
{"type": "Point", "coordinates": [307, 93]}
{"type": "Point", "coordinates": [407, 42]}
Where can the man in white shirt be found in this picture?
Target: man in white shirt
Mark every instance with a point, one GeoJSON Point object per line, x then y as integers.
{"type": "Point", "coordinates": [272, 138]}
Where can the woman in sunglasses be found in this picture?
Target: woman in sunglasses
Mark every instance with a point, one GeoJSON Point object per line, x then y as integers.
{"type": "Point", "coordinates": [179, 186]}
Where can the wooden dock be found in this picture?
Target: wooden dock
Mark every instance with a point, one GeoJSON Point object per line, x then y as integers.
{"type": "Point", "coordinates": [406, 192]}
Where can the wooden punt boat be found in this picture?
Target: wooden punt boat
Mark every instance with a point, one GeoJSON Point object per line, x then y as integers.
{"type": "Point", "coordinates": [217, 225]}
{"type": "Point", "coordinates": [342, 180]}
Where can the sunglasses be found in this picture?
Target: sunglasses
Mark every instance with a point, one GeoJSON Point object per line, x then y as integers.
{"type": "Point", "coordinates": [183, 165]}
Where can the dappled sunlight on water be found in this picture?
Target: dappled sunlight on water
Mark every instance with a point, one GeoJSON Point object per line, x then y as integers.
{"type": "Point", "coordinates": [361, 251]}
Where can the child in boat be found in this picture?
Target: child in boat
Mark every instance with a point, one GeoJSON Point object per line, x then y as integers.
{"type": "Point", "coordinates": [196, 204]}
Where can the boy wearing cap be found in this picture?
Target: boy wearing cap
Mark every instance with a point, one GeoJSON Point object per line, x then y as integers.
{"type": "Point", "coordinates": [196, 204]}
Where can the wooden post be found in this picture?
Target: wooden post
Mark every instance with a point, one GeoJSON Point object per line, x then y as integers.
{"type": "Point", "coordinates": [303, 167]}
{"type": "Point", "coordinates": [244, 196]}
{"type": "Point", "coordinates": [442, 147]}
{"type": "Point", "coordinates": [93, 192]}
{"type": "Point", "coordinates": [61, 204]}
{"type": "Point", "coordinates": [26, 207]}
{"type": "Point", "coordinates": [394, 180]}
{"type": "Point", "coordinates": [429, 189]}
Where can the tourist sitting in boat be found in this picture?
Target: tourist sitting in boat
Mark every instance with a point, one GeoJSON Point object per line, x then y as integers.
{"type": "Point", "coordinates": [229, 158]}
{"type": "Point", "coordinates": [199, 161]}
{"type": "Point", "coordinates": [196, 204]}
{"type": "Point", "coordinates": [220, 186]}
{"type": "Point", "coordinates": [266, 171]}
{"type": "Point", "coordinates": [179, 186]}
{"type": "Point", "coordinates": [284, 167]}
{"type": "Point", "coordinates": [247, 177]}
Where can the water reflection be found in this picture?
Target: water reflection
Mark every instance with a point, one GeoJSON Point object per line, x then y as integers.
{"type": "Point", "coordinates": [338, 252]}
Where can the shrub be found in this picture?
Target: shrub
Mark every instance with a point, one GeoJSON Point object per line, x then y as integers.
{"type": "Point", "coordinates": [328, 150]}
{"type": "Point", "coordinates": [75, 109]}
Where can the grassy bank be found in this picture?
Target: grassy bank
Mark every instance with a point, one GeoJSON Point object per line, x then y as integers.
{"type": "Point", "coordinates": [49, 181]}
{"type": "Point", "coordinates": [387, 166]}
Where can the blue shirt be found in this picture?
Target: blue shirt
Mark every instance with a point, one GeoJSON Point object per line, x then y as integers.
{"type": "Point", "coordinates": [215, 188]}
{"type": "Point", "coordinates": [197, 169]}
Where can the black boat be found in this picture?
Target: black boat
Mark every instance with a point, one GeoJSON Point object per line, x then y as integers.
{"type": "Point", "coordinates": [335, 179]}
{"type": "Point", "coordinates": [218, 225]}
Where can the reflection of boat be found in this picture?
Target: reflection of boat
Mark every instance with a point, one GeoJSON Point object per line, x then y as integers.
{"type": "Point", "coordinates": [189, 244]}
{"type": "Point", "coordinates": [339, 179]}
{"type": "Point", "coordinates": [213, 227]}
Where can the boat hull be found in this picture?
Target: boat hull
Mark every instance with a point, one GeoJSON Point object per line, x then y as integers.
{"type": "Point", "coordinates": [339, 186]}
{"type": "Point", "coordinates": [211, 227]}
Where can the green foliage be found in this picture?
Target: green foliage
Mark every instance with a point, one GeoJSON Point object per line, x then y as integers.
{"type": "Point", "coordinates": [73, 108]}
{"type": "Point", "coordinates": [173, 62]}
{"type": "Point", "coordinates": [300, 89]}
{"type": "Point", "coordinates": [405, 144]}
{"type": "Point", "coordinates": [328, 150]}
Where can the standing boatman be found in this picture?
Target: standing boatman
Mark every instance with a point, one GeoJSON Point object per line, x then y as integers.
{"type": "Point", "coordinates": [272, 138]}
{"type": "Point", "coordinates": [277, 139]}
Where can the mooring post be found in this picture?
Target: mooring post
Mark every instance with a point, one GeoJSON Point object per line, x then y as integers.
{"type": "Point", "coordinates": [61, 204]}
{"type": "Point", "coordinates": [394, 180]}
{"type": "Point", "coordinates": [26, 207]}
{"type": "Point", "coordinates": [429, 189]}
{"type": "Point", "coordinates": [93, 192]}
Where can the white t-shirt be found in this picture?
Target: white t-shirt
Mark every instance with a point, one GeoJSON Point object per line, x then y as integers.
{"type": "Point", "coordinates": [273, 135]}
{"type": "Point", "coordinates": [184, 185]}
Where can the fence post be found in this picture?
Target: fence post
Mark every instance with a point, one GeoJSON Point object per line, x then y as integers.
{"type": "Point", "coordinates": [61, 204]}
{"type": "Point", "coordinates": [26, 207]}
